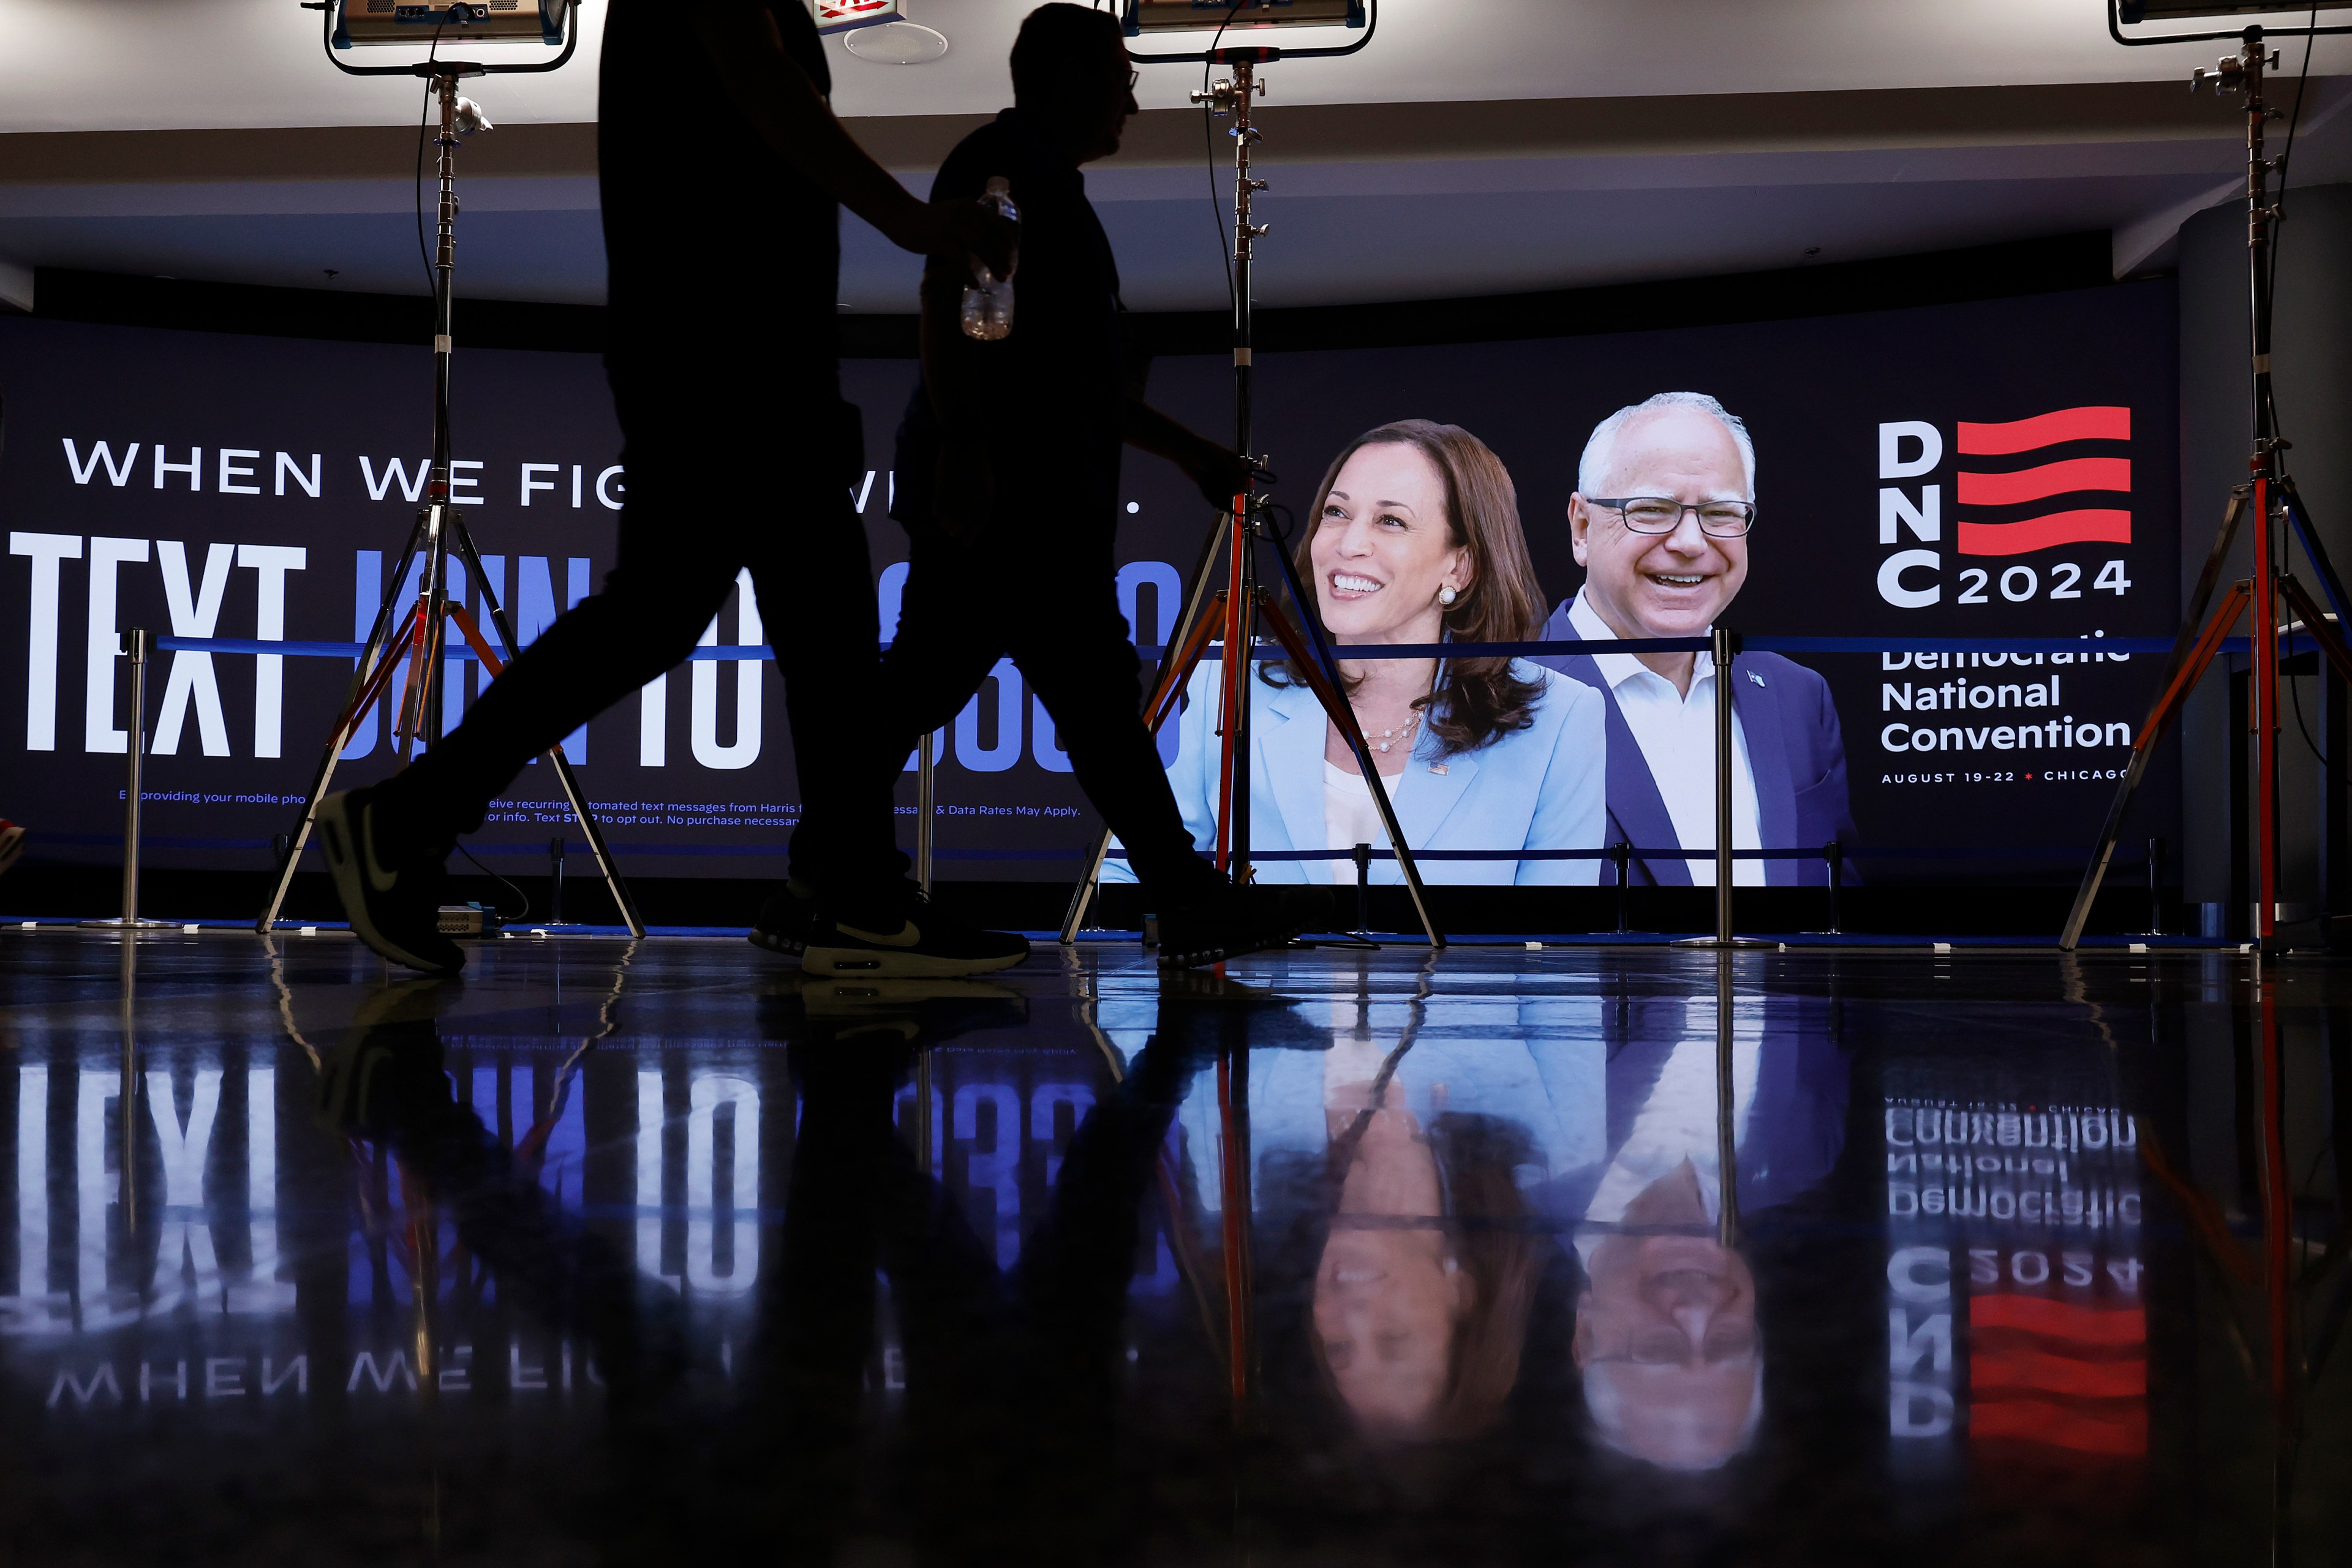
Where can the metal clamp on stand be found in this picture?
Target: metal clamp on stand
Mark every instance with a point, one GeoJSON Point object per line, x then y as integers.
{"type": "Point", "coordinates": [142, 651]}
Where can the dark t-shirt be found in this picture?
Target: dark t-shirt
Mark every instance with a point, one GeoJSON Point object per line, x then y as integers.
{"type": "Point", "coordinates": [716, 249]}
{"type": "Point", "coordinates": [1053, 389]}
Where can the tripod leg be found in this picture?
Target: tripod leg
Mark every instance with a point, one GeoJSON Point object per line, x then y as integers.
{"type": "Point", "coordinates": [1307, 623]}
{"type": "Point", "coordinates": [1343, 715]}
{"type": "Point", "coordinates": [469, 628]}
{"type": "Point", "coordinates": [1325, 663]}
{"type": "Point", "coordinates": [2188, 664]}
{"type": "Point", "coordinates": [2209, 578]}
{"type": "Point", "coordinates": [2323, 631]}
{"type": "Point", "coordinates": [1234, 759]}
{"type": "Point", "coordinates": [367, 681]}
{"type": "Point", "coordinates": [589, 828]}
{"type": "Point", "coordinates": [1174, 670]}
{"type": "Point", "coordinates": [424, 702]}
{"type": "Point", "coordinates": [2331, 587]}
{"type": "Point", "coordinates": [409, 715]}
{"type": "Point", "coordinates": [375, 690]}
{"type": "Point", "coordinates": [1188, 655]}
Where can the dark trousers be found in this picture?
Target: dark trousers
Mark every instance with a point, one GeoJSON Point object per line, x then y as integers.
{"type": "Point", "coordinates": [1043, 590]}
{"type": "Point", "coordinates": [706, 500]}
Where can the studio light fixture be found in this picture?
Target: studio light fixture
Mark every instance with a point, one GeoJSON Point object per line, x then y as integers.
{"type": "Point", "coordinates": [1140, 17]}
{"type": "Point", "coordinates": [2122, 14]}
{"type": "Point", "coordinates": [2179, 10]}
{"type": "Point", "coordinates": [848, 15]}
{"type": "Point", "coordinates": [359, 23]}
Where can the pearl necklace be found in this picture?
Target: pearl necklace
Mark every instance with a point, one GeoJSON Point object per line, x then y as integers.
{"type": "Point", "coordinates": [1381, 742]}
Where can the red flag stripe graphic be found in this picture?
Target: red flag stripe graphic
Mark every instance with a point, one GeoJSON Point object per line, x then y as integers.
{"type": "Point", "coordinates": [2058, 1374]}
{"type": "Point", "coordinates": [2061, 1426]}
{"type": "Point", "coordinates": [2048, 480]}
{"type": "Point", "coordinates": [2089, 424]}
{"type": "Point", "coordinates": [2041, 532]}
{"type": "Point", "coordinates": [2060, 1319]}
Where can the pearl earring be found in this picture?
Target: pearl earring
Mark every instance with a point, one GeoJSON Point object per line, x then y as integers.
{"type": "Point", "coordinates": [1445, 595]}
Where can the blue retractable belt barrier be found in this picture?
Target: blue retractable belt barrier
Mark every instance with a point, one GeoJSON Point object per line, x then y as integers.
{"type": "Point", "coordinates": [731, 653]}
{"type": "Point", "coordinates": [1674, 852]}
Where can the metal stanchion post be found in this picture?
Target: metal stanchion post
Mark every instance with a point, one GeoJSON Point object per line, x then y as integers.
{"type": "Point", "coordinates": [1834, 852]}
{"type": "Point", "coordinates": [2155, 882]}
{"type": "Point", "coordinates": [1362, 857]}
{"type": "Point", "coordinates": [1721, 653]}
{"type": "Point", "coordinates": [128, 1094]}
{"type": "Point", "coordinates": [925, 1087]}
{"type": "Point", "coordinates": [1727, 1140]}
{"type": "Point", "coordinates": [142, 650]}
{"type": "Point", "coordinates": [926, 809]}
{"type": "Point", "coordinates": [1621, 856]}
{"type": "Point", "coordinates": [1725, 646]}
{"type": "Point", "coordinates": [555, 880]}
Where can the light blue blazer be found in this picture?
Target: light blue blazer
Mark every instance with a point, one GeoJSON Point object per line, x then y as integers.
{"type": "Point", "coordinates": [1543, 787]}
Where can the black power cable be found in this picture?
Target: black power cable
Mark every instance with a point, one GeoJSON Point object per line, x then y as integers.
{"type": "Point", "coordinates": [523, 913]}
{"type": "Point", "coordinates": [423, 118]}
{"type": "Point", "coordinates": [2286, 157]}
{"type": "Point", "coordinates": [1209, 148]}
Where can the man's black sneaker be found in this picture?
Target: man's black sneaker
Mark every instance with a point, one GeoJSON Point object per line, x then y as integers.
{"type": "Point", "coordinates": [391, 888]}
{"type": "Point", "coordinates": [387, 1070]}
{"type": "Point", "coordinates": [1232, 921]}
{"type": "Point", "coordinates": [787, 923]}
{"type": "Point", "coordinates": [926, 943]}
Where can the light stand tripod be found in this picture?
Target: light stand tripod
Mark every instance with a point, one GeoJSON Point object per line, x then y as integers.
{"type": "Point", "coordinates": [1229, 613]}
{"type": "Point", "coordinates": [2269, 495]}
{"type": "Point", "coordinates": [440, 528]}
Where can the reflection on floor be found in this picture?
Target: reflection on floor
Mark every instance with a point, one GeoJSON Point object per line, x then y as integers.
{"type": "Point", "coordinates": [625, 1252]}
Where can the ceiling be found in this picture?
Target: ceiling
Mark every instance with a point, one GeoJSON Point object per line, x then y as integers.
{"type": "Point", "coordinates": [1542, 144]}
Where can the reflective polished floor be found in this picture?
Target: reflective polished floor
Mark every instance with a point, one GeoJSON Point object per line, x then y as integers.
{"type": "Point", "coordinates": [658, 1253]}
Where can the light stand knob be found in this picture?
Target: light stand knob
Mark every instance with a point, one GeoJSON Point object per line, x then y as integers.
{"type": "Point", "coordinates": [1217, 97]}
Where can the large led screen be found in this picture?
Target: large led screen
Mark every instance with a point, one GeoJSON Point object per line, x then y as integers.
{"type": "Point", "coordinates": [1986, 470]}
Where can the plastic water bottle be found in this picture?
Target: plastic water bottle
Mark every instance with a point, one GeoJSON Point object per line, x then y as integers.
{"type": "Point", "coordinates": [988, 299]}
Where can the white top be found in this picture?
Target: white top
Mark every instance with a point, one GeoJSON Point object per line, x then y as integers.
{"type": "Point", "coordinates": [1678, 1122]}
{"type": "Point", "coordinates": [1351, 816]}
{"type": "Point", "coordinates": [1480, 1052]}
{"type": "Point", "coordinates": [1676, 734]}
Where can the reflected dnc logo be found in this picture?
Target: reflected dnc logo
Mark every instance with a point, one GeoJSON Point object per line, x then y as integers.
{"type": "Point", "coordinates": [2031, 485]}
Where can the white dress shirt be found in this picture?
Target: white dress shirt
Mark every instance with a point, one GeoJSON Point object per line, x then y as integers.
{"type": "Point", "coordinates": [1676, 734]}
{"type": "Point", "coordinates": [1679, 1121]}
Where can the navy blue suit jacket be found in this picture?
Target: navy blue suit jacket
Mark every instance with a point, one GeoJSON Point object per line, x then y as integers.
{"type": "Point", "coordinates": [1794, 749]}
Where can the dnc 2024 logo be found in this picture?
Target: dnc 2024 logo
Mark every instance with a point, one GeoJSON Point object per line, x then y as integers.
{"type": "Point", "coordinates": [2060, 481]}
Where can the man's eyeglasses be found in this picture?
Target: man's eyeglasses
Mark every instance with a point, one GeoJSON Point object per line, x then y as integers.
{"type": "Point", "coordinates": [1664, 514]}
